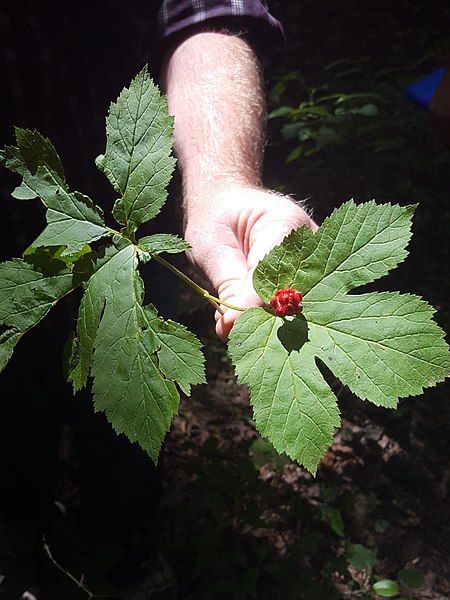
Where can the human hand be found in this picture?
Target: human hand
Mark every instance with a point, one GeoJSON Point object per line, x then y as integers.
{"type": "Point", "coordinates": [230, 232]}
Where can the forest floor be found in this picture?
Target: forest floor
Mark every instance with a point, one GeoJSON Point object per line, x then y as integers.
{"type": "Point", "coordinates": [239, 517]}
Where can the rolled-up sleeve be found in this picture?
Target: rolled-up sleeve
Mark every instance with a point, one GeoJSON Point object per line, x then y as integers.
{"type": "Point", "coordinates": [252, 17]}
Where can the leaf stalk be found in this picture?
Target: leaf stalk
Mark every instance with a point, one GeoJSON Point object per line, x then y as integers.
{"type": "Point", "coordinates": [216, 302]}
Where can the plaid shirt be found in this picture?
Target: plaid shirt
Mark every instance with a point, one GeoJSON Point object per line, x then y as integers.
{"type": "Point", "coordinates": [252, 15]}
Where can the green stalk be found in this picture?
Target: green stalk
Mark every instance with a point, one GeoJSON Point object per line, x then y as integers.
{"type": "Point", "coordinates": [216, 302]}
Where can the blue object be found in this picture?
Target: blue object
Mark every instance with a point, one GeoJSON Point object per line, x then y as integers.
{"type": "Point", "coordinates": [421, 92]}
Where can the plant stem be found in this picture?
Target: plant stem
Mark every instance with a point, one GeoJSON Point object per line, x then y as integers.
{"type": "Point", "coordinates": [69, 575]}
{"type": "Point", "coordinates": [80, 583]}
{"type": "Point", "coordinates": [216, 302]}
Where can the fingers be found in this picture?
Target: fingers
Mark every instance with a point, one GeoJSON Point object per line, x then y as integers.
{"type": "Point", "coordinates": [228, 244]}
{"type": "Point", "coordinates": [266, 232]}
{"type": "Point", "coordinates": [226, 268]}
{"type": "Point", "coordinates": [242, 295]}
{"type": "Point", "coordinates": [225, 322]}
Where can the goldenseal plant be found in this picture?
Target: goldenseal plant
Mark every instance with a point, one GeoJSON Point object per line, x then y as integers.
{"type": "Point", "coordinates": [383, 346]}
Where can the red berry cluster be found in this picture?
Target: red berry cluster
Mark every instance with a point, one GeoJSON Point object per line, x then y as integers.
{"type": "Point", "coordinates": [287, 302]}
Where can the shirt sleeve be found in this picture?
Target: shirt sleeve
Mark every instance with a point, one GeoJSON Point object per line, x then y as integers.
{"type": "Point", "coordinates": [252, 17]}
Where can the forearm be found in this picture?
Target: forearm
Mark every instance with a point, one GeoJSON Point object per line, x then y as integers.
{"type": "Point", "coordinates": [214, 87]}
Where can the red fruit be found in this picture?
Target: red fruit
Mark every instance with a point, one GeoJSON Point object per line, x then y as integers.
{"type": "Point", "coordinates": [287, 302]}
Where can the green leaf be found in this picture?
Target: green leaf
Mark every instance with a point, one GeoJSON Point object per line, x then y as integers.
{"type": "Point", "coordinates": [368, 110]}
{"type": "Point", "coordinates": [70, 357]}
{"type": "Point", "coordinates": [179, 353]}
{"type": "Point", "coordinates": [34, 150]}
{"type": "Point", "coordinates": [334, 518]}
{"type": "Point", "coordinates": [360, 557]}
{"type": "Point", "coordinates": [89, 315]}
{"type": "Point", "coordinates": [73, 220]}
{"type": "Point", "coordinates": [134, 356]}
{"type": "Point", "coordinates": [383, 346]}
{"type": "Point", "coordinates": [138, 160]}
{"type": "Point", "coordinates": [381, 525]}
{"type": "Point", "coordinates": [413, 577]}
{"type": "Point", "coordinates": [290, 130]}
{"type": "Point", "coordinates": [282, 111]}
{"type": "Point", "coordinates": [262, 452]}
{"type": "Point", "coordinates": [23, 192]}
{"type": "Point", "coordinates": [137, 399]}
{"type": "Point", "coordinates": [386, 588]}
{"type": "Point", "coordinates": [37, 151]}
{"type": "Point", "coordinates": [292, 404]}
{"type": "Point", "coordinates": [26, 296]}
{"type": "Point", "coordinates": [356, 245]}
{"type": "Point", "coordinates": [294, 154]}
{"type": "Point", "coordinates": [161, 242]}
{"type": "Point", "coordinates": [9, 337]}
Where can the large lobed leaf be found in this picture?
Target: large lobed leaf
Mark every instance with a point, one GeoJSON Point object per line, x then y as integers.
{"type": "Point", "coordinates": [73, 220]}
{"type": "Point", "coordinates": [137, 360]}
{"type": "Point", "coordinates": [137, 159]}
{"type": "Point", "coordinates": [135, 357]}
{"type": "Point", "coordinates": [383, 346]}
{"type": "Point", "coordinates": [292, 404]}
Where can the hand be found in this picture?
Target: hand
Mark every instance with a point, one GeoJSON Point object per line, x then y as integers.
{"type": "Point", "coordinates": [230, 232]}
